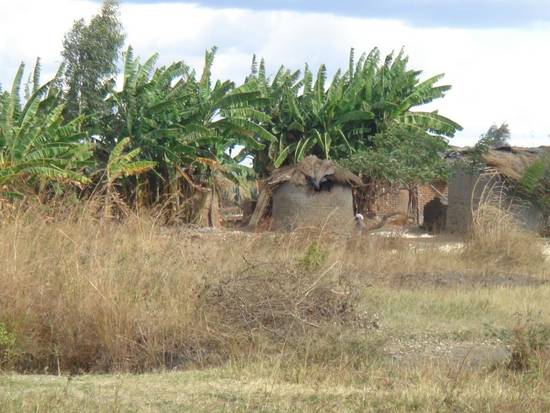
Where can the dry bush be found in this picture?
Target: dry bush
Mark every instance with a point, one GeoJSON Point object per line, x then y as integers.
{"type": "Point", "coordinates": [296, 301]}
{"type": "Point", "coordinates": [302, 312]}
{"type": "Point", "coordinates": [281, 302]}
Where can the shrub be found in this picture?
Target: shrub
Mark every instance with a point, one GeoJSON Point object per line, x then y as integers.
{"type": "Point", "coordinates": [314, 257]}
{"type": "Point", "coordinates": [7, 346]}
{"type": "Point", "coordinates": [529, 344]}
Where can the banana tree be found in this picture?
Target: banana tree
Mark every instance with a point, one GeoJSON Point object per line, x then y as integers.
{"type": "Point", "coordinates": [285, 118]}
{"type": "Point", "coordinates": [120, 164]}
{"type": "Point", "coordinates": [37, 147]}
{"type": "Point", "coordinates": [393, 91]}
{"type": "Point", "coordinates": [147, 111]}
{"type": "Point", "coordinates": [186, 125]}
{"type": "Point", "coordinates": [220, 117]}
{"type": "Point", "coordinates": [341, 118]}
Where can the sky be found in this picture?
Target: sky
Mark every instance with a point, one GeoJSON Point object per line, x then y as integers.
{"type": "Point", "coordinates": [494, 53]}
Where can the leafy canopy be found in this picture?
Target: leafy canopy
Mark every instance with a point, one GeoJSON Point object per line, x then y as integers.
{"type": "Point", "coordinates": [402, 154]}
{"type": "Point", "coordinates": [496, 136]}
{"type": "Point", "coordinates": [37, 146]}
{"type": "Point", "coordinates": [91, 52]}
{"type": "Point", "coordinates": [308, 115]}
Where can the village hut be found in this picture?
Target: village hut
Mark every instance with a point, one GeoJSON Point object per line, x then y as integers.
{"type": "Point", "coordinates": [494, 181]}
{"type": "Point", "coordinates": [315, 193]}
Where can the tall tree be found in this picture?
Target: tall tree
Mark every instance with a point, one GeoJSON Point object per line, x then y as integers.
{"type": "Point", "coordinates": [91, 52]}
{"type": "Point", "coordinates": [497, 135]}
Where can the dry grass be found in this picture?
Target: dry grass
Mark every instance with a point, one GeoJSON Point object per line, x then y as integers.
{"type": "Point", "coordinates": [84, 295]}
{"type": "Point", "coordinates": [280, 320]}
{"type": "Point", "coordinates": [497, 237]}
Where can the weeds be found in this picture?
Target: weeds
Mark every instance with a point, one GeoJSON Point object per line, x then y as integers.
{"type": "Point", "coordinates": [7, 347]}
{"type": "Point", "coordinates": [314, 257]}
{"type": "Point", "coordinates": [530, 344]}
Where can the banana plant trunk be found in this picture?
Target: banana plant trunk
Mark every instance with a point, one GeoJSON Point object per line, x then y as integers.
{"type": "Point", "coordinates": [209, 213]}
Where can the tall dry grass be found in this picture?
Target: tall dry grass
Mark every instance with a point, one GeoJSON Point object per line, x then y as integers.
{"type": "Point", "coordinates": [497, 236]}
{"type": "Point", "coordinates": [81, 294]}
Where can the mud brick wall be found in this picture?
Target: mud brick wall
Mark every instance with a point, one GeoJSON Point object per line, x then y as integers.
{"type": "Point", "coordinates": [397, 200]}
{"type": "Point", "coordinates": [297, 206]}
{"type": "Point", "coordinates": [467, 189]}
{"type": "Point", "coordinates": [391, 200]}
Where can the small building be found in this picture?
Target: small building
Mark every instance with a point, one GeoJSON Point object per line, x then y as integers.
{"type": "Point", "coordinates": [494, 181]}
{"type": "Point", "coordinates": [315, 193]}
{"type": "Point", "coordinates": [388, 199]}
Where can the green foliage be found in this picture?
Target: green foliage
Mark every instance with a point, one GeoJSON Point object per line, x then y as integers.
{"type": "Point", "coordinates": [36, 146]}
{"type": "Point", "coordinates": [221, 116]}
{"type": "Point", "coordinates": [90, 52]}
{"type": "Point", "coordinates": [7, 345]}
{"type": "Point", "coordinates": [187, 126]}
{"type": "Point", "coordinates": [122, 164]}
{"type": "Point", "coordinates": [336, 120]}
{"type": "Point", "coordinates": [535, 183]}
{"type": "Point", "coordinates": [401, 154]}
{"type": "Point", "coordinates": [172, 133]}
{"type": "Point", "coordinates": [314, 257]}
{"type": "Point", "coordinates": [496, 135]}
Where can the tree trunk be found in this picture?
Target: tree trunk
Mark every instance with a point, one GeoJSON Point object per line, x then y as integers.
{"type": "Point", "coordinates": [261, 208]}
{"type": "Point", "coordinates": [215, 212]}
{"type": "Point", "coordinates": [413, 203]}
{"type": "Point", "coordinates": [209, 210]}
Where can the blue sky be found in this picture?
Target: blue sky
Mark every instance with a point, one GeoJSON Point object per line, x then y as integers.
{"type": "Point", "coordinates": [495, 53]}
{"type": "Point", "coordinates": [431, 13]}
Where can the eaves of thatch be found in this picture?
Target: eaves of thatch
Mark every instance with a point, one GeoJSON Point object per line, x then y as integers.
{"type": "Point", "coordinates": [313, 168]}
{"type": "Point", "coordinates": [508, 161]}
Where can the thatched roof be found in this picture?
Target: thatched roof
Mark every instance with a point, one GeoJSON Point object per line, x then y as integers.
{"type": "Point", "coordinates": [313, 170]}
{"type": "Point", "coordinates": [509, 161]}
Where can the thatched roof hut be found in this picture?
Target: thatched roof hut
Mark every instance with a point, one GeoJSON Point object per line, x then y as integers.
{"type": "Point", "coordinates": [315, 193]}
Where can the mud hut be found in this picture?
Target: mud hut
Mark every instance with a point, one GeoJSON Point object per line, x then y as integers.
{"type": "Point", "coordinates": [495, 180]}
{"type": "Point", "coordinates": [314, 193]}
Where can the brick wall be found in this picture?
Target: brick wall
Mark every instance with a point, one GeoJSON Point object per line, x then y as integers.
{"type": "Point", "coordinates": [395, 199]}
{"type": "Point", "coordinates": [391, 199]}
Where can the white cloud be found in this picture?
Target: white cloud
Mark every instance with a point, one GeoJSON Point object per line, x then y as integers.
{"type": "Point", "coordinates": [497, 75]}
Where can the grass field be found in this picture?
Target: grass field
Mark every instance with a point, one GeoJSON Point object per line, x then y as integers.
{"type": "Point", "coordinates": [137, 317]}
{"type": "Point", "coordinates": [439, 350]}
